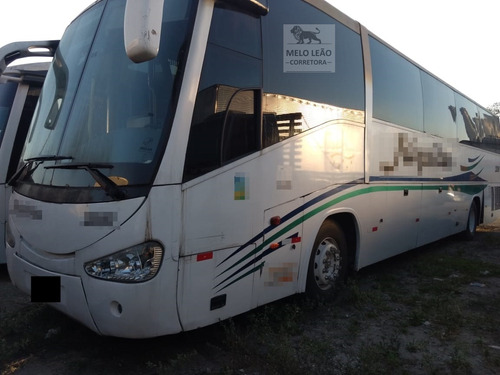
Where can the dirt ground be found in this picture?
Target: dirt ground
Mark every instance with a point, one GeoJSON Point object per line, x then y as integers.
{"type": "Point", "coordinates": [406, 315]}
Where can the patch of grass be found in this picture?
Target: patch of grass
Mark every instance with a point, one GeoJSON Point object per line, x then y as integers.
{"type": "Point", "coordinates": [282, 358]}
{"type": "Point", "coordinates": [381, 358]}
{"type": "Point", "coordinates": [19, 331]}
{"type": "Point", "coordinates": [174, 365]}
{"type": "Point", "coordinates": [491, 354]}
{"type": "Point", "coordinates": [417, 317]}
{"type": "Point", "coordinates": [449, 267]}
{"type": "Point", "coordinates": [372, 301]}
{"type": "Point", "coordinates": [415, 346]}
{"type": "Point", "coordinates": [484, 313]}
{"type": "Point", "coordinates": [267, 335]}
{"type": "Point", "coordinates": [429, 364]}
{"type": "Point", "coordinates": [458, 362]}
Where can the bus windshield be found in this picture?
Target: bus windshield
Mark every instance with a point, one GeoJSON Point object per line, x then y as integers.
{"type": "Point", "coordinates": [97, 107]}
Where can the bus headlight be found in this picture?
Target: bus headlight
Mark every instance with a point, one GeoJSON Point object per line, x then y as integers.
{"type": "Point", "coordinates": [133, 265]}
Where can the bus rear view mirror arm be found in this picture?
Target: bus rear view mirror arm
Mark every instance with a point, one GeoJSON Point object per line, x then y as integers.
{"type": "Point", "coordinates": [252, 6]}
{"type": "Point", "coordinates": [18, 50]}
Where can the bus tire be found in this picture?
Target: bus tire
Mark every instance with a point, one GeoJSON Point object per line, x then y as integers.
{"type": "Point", "coordinates": [472, 221]}
{"type": "Point", "coordinates": [328, 263]}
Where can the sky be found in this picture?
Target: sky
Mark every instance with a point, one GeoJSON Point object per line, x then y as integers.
{"type": "Point", "coordinates": [457, 40]}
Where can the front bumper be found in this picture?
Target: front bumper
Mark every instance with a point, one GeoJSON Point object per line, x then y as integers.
{"type": "Point", "coordinates": [110, 308]}
{"type": "Point", "coordinates": [73, 301]}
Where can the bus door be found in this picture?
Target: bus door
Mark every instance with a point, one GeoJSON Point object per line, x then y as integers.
{"type": "Point", "coordinates": [222, 217]}
{"type": "Point", "coordinates": [222, 214]}
{"type": "Point", "coordinates": [217, 259]}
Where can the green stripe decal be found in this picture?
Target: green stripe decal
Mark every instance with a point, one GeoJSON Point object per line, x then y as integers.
{"type": "Point", "coordinates": [466, 189]}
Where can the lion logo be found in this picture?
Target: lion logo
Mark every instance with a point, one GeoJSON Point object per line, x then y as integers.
{"type": "Point", "coordinates": [301, 35]}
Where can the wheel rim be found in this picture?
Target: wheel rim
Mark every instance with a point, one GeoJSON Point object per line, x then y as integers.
{"type": "Point", "coordinates": [327, 263]}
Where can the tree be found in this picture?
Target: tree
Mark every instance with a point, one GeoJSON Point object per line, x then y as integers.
{"type": "Point", "coordinates": [495, 108]}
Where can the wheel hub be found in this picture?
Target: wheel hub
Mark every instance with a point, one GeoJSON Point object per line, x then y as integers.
{"type": "Point", "coordinates": [327, 263]}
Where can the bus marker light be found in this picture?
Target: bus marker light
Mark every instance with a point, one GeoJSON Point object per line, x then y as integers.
{"type": "Point", "coordinates": [204, 256]}
{"type": "Point", "coordinates": [275, 221]}
{"type": "Point", "coordinates": [374, 229]}
{"type": "Point", "coordinates": [274, 246]}
{"type": "Point", "coordinates": [296, 239]}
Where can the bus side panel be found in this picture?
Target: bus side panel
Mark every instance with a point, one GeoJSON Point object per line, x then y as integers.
{"type": "Point", "coordinates": [207, 293]}
{"type": "Point", "coordinates": [450, 175]}
{"type": "Point", "coordinates": [492, 205]}
{"type": "Point", "coordinates": [388, 221]}
{"type": "Point", "coordinates": [444, 212]}
{"type": "Point", "coordinates": [280, 269]}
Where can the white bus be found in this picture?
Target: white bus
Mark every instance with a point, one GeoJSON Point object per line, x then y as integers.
{"type": "Point", "coordinates": [20, 86]}
{"type": "Point", "coordinates": [264, 149]}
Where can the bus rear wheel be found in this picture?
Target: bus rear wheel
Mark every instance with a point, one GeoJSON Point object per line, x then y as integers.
{"type": "Point", "coordinates": [472, 222]}
{"type": "Point", "coordinates": [328, 263]}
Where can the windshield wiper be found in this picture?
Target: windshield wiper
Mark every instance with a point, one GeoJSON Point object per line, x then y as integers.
{"type": "Point", "coordinates": [104, 181]}
{"type": "Point", "coordinates": [49, 157]}
{"type": "Point", "coordinates": [24, 172]}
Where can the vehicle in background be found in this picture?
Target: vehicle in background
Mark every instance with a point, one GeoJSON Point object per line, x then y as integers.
{"type": "Point", "coordinates": [20, 86]}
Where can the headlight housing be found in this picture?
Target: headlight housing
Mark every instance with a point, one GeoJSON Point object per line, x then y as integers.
{"type": "Point", "coordinates": [133, 265]}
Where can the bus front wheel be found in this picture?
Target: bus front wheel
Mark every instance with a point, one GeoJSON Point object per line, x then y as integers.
{"type": "Point", "coordinates": [328, 262]}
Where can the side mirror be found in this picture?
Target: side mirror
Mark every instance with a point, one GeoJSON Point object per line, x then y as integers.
{"type": "Point", "coordinates": [142, 29]}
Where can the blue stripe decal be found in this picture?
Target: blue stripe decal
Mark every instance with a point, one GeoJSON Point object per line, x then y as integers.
{"type": "Point", "coordinates": [253, 270]}
{"type": "Point", "coordinates": [248, 264]}
{"type": "Point", "coordinates": [469, 176]}
{"type": "Point", "coordinates": [293, 213]}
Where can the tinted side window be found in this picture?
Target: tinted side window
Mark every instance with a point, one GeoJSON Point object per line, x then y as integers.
{"type": "Point", "coordinates": [491, 127]}
{"type": "Point", "coordinates": [311, 56]}
{"type": "Point", "coordinates": [240, 135]}
{"type": "Point", "coordinates": [226, 118]}
{"type": "Point", "coordinates": [468, 120]}
{"type": "Point", "coordinates": [7, 94]}
{"type": "Point", "coordinates": [23, 127]}
{"type": "Point", "coordinates": [439, 108]}
{"type": "Point", "coordinates": [313, 71]}
{"type": "Point", "coordinates": [397, 91]}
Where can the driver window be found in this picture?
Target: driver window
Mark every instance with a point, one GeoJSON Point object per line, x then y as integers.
{"type": "Point", "coordinates": [226, 119]}
{"type": "Point", "coordinates": [240, 135]}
